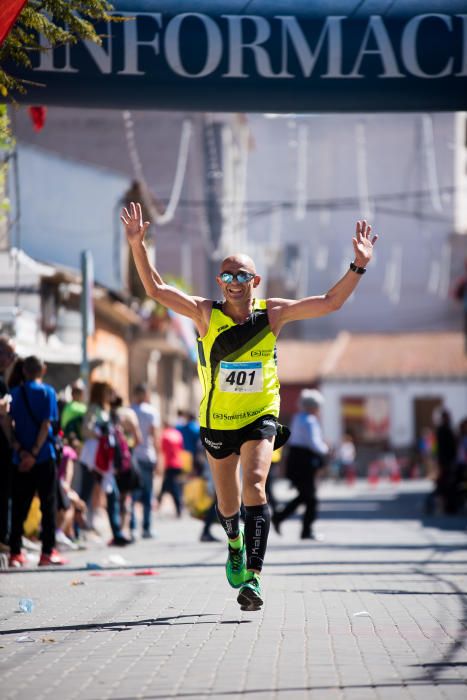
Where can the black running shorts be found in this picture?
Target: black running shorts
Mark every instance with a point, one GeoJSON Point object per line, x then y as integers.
{"type": "Point", "coordinates": [223, 443]}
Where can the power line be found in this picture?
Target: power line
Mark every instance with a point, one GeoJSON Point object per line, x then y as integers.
{"type": "Point", "coordinates": [343, 202]}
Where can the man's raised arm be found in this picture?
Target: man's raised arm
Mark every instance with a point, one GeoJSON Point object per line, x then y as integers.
{"type": "Point", "coordinates": [282, 311]}
{"type": "Point", "coordinates": [154, 286]}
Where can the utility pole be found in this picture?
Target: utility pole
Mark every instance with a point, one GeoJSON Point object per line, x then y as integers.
{"type": "Point", "coordinates": [87, 310]}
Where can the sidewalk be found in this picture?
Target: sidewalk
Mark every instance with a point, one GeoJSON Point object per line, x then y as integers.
{"type": "Point", "coordinates": [377, 609]}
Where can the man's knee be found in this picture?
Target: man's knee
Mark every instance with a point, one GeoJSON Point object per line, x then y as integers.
{"type": "Point", "coordinates": [254, 490]}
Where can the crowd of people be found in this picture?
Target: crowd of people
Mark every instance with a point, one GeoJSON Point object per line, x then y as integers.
{"type": "Point", "coordinates": [77, 455]}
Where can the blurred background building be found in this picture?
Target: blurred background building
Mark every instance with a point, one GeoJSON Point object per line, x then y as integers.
{"type": "Point", "coordinates": [287, 189]}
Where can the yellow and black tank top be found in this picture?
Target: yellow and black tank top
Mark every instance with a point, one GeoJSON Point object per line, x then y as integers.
{"type": "Point", "coordinates": [237, 367]}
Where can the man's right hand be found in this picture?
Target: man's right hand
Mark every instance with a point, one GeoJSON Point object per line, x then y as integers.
{"type": "Point", "coordinates": [135, 228]}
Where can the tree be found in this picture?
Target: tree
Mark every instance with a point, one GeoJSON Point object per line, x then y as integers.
{"type": "Point", "coordinates": [59, 21]}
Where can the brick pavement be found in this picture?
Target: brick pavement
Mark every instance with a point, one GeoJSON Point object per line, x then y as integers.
{"type": "Point", "coordinates": [378, 609]}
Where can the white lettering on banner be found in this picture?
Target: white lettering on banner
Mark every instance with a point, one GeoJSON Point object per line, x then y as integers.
{"type": "Point", "coordinates": [409, 47]}
{"type": "Point", "coordinates": [132, 42]}
{"type": "Point", "coordinates": [463, 71]}
{"type": "Point", "coordinates": [46, 59]}
{"type": "Point", "coordinates": [332, 27]}
{"type": "Point", "coordinates": [101, 56]}
{"type": "Point", "coordinates": [384, 49]}
{"type": "Point", "coordinates": [282, 36]}
{"type": "Point", "coordinates": [213, 44]}
{"type": "Point", "coordinates": [237, 46]}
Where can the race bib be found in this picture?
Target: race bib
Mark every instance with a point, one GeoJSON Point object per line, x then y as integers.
{"type": "Point", "coordinates": [241, 377]}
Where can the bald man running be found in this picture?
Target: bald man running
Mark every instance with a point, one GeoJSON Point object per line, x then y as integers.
{"type": "Point", "coordinates": [238, 372]}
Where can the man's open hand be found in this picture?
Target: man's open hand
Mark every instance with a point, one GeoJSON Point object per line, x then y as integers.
{"type": "Point", "coordinates": [135, 229]}
{"type": "Point", "coordinates": [363, 244]}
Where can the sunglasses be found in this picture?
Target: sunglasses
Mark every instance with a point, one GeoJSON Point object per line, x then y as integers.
{"type": "Point", "coordinates": [241, 277]}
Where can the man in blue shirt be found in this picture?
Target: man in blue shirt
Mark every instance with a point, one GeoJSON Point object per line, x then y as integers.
{"type": "Point", "coordinates": [33, 412]}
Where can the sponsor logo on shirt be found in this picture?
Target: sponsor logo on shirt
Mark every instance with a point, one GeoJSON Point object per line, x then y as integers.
{"type": "Point", "coordinates": [236, 416]}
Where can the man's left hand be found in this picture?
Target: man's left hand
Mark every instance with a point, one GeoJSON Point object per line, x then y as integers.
{"type": "Point", "coordinates": [363, 244]}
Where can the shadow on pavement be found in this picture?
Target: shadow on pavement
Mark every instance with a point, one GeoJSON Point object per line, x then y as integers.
{"type": "Point", "coordinates": [433, 670]}
{"type": "Point", "coordinates": [122, 626]}
{"type": "Point", "coordinates": [387, 591]}
{"type": "Point", "coordinates": [206, 692]}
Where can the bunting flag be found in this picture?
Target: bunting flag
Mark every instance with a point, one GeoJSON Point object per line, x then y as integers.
{"type": "Point", "coordinates": [9, 11]}
{"type": "Point", "coordinates": [38, 115]}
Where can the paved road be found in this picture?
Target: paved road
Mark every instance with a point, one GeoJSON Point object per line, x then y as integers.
{"type": "Point", "coordinates": [377, 609]}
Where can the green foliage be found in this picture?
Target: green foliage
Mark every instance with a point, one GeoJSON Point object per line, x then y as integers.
{"type": "Point", "coordinates": [6, 138]}
{"type": "Point", "coordinates": [6, 146]}
{"type": "Point", "coordinates": [59, 21]}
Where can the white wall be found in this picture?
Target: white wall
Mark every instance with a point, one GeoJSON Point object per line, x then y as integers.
{"type": "Point", "coordinates": [460, 175]}
{"type": "Point", "coordinates": [401, 395]}
{"type": "Point", "coordinates": [402, 166]}
{"type": "Point", "coordinates": [67, 207]}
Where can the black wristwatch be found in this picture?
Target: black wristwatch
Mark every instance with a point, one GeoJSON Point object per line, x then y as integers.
{"type": "Point", "coordinates": [358, 270]}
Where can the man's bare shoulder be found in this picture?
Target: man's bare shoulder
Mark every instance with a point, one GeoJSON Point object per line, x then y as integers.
{"type": "Point", "coordinates": [204, 304]}
{"type": "Point", "coordinates": [205, 308]}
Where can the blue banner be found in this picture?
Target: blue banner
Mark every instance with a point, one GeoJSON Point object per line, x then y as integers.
{"type": "Point", "coordinates": [266, 56]}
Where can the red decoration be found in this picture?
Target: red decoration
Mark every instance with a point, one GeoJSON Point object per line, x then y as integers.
{"type": "Point", "coordinates": [9, 11]}
{"type": "Point", "coordinates": [38, 115]}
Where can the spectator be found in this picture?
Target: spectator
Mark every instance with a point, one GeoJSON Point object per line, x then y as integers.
{"type": "Point", "coordinates": [96, 433]}
{"type": "Point", "coordinates": [16, 375]}
{"type": "Point", "coordinates": [7, 355]}
{"type": "Point", "coordinates": [191, 434]}
{"type": "Point", "coordinates": [276, 458]}
{"type": "Point", "coordinates": [73, 413]}
{"type": "Point", "coordinates": [70, 508]}
{"type": "Point", "coordinates": [459, 293]}
{"type": "Point", "coordinates": [446, 453]}
{"type": "Point", "coordinates": [346, 454]}
{"type": "Point", "coordinates": [446, 441]}
{"type": "Point", "coordinates": [306, 457]}
{"type": "Point", "coordinates": [461, 469]}
{"type": "Point", "coordinates": [146, 453]}
{"type": "Point", "coordinates": [191, 431]}
{"type": "Point", "coordinates": [172, 453]}
{"type": "Point", "coordinates": [34, 412]}
{"type": "Point", "coordinates": [427, 452]}
{"type": "Point", "coordinates": [127, 435]}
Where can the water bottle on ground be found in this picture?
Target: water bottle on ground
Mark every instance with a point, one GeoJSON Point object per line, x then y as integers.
{"type": "Point", "coordinates": [26, 605]}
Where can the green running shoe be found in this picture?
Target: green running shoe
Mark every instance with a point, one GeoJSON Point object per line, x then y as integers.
{"type": "Point", "coordinates": [235, 567]}
{"type": "Point", "coordinates": [249, 597]}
